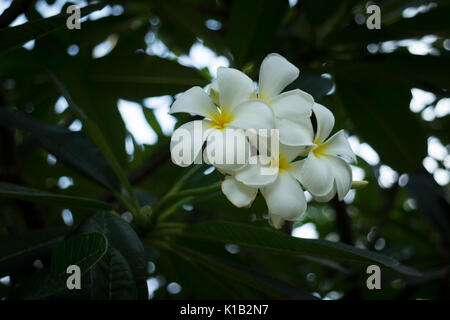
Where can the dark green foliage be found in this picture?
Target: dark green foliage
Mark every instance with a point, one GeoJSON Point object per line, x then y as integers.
{"type": "Point", "coordinates": [209, 247]}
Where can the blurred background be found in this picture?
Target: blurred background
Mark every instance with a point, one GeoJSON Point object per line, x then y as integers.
{"type": "Point", "coordinates": [387, 88]}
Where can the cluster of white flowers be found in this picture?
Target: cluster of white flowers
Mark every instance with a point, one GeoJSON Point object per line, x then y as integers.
{"type": "Point", "coordinates": [303, 159]}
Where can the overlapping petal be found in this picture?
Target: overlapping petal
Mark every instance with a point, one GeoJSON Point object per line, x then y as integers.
{"type": "Point", "coordinates": [325, 122]}
{"type": "Point", "coordinates": [338, 145]}
{"type": "Point", "coordinates": [295, 133]}
{"type": "Point", "coordinates": [253, 114]}
{"type": "Point", "coordinates": [284, 197]}
{"type": "Point", "coordinates": [294, 104]}
{"type": "Point", "coordinates": [276, 220]}
{"type": "Point", "coordinates": [257, 173]}
{"type": "Point", "coordinates": [214, 93]}
{"type": "Point", "coordinates": [187, 141]}
{"type": "Point", "coordinates": [315, 175]}
{"type": "Point", "coordinates": [195, 101]}
{"type": "Point", "coordinates": [327, 197]}
{"type": "Point", "coordinates": [234, 88]}
{"type": "Point", "coordinates": [342, 174]}
{"type": "Point", "coordinates": [238, 193]}
{"type": "Point", "coordinates": [227, 150]}
{"type": "Point", "coordinates": [289, 153]}
{"type": "Point", "coordinates": [275, 74]}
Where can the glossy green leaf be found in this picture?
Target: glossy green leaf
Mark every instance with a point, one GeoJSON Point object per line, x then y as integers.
{"type": "Point", "coordinates": [385, 123]}
{"type": "Point", "coordinates": [16, 36]}
{"type": "Point", "coordinates": [241, 234]}
{"type": "Point", "coordinates": [141, 76]}
{"type": "Point", "coordinates": [9, 190]}
{"type": "Point", "coordinates": [431, 201]}
{"type": "Point", "coordinates": [20, 250]}
{"type": "Point", "coordinates": [69, 147]}
{"type": "Point", "coordinates": [252, 28]}
{"type": "Point", "coordinates": [83, 250]}
{"type": "Point", "coordinates": [233, 274]}
{"type": "Point", "coordinates": [112, 278]}
{"type": "Point", "coordinates": [433, 21]}
{"type": "Point", "coordinates": [128, 249]}
{"type": "Point", "coordinates": [314, 84]}
{"type": "Point", "coordinates": [94, 132]}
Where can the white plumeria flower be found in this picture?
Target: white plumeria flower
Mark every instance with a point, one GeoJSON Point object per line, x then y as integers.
{"type": "Point", "coordinates": [292, 108]}
{"type": "Point", "coordinates": [235, 110]}
{"type": "Point", "coordinates": [283, 194]}
{"type": "Point", "coordinates": [324, 172]}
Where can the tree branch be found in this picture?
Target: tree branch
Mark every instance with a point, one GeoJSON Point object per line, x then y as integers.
{"type": "Point", "coordinates": [343, 223]}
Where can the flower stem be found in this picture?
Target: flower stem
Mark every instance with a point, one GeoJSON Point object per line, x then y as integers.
{"type": "Point", "coordinates": [195, 191]}
{"type": "Point", "coordinates": [174, 207]}
{"type": "Point", "coordinates": [177, 186]}
{"type": "Point", "coordinates": [188, 195]}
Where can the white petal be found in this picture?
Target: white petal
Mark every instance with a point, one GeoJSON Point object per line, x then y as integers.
{"type": "Point", "coordinates": [227, 149]}
{"type": "Point", "coordinates": [338, 145]}
{"type": "Point", "coordinates": [298, 133]}
{"type": "Point", "coordinates": [214, 93]}
{"type": "Point", "coordinates": [277, 221]}
{"type": "Point", "coordinates": [325, 122]}
{"type": "Point", "coordinates": [257, 172]}
{"type": "Point", "coordinates": [296, 169]}
{"type": "Point", "coordinates": [253, 114]}
{"type": "Point", "coordinates": [293, 105]}
{"type": "Point", "coordinates": [239, 194]}
{"type": "Point", "coordinates": [187, 141]}
{"type": "Point", "coordinates": [275, 74]}
{"type": "Point", "coordinates": [325, 198]}
{"type": "Point", "coordinates": [289, 153]}
{"type": "Point", "coordinates": [285, 197]}
{"type": "Point", "coordinates": [316, 175]}
{"type": "Point", "coordinates": [234, 87]}
{"type": "Point", "coordinates": [342, 174]}
{"type": "Point", "coordinates": [196, 101]}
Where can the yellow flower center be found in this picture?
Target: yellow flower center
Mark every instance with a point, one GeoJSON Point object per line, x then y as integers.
{"type": "Point", "coordinates": [281, 163]}
{"type": "Point", "coordinates": [221, 120]}
{"type": "Point", "coordinates": [320, 150]}
{"type": "Point", "coordinates": [261, 97]}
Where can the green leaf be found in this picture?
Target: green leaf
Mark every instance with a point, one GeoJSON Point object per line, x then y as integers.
{"type": "Point", "coordinates": [427, 71]}
{"type": "Point", "coordinates": [112, 278]}
{"type": "Point", "coordinates": [20, 250]}
{"type": "Point", "coordinates": [233, 274]}
{"type": "Point", "coordinates": [141, 76]}
{"type": "Point", "coordinates": [16, 36]}
{"type": "Point", "coordinates": [94, 132]}
{"type": "Point", "coordinates": [184, 26]}
{"type": "Point", "coordinates": [432, 22]}
{"type": "Point", "coordinates": [246, 235]}
{"type": "Point", "coordinates": [152, 121]}
{"type": "Point", "coordinates": [252, 27]}
{"type": "Point", "coordinates": [123, 239]}
{"type": "Point", "coordinates": [378, 105]}
{"type": "Point", "coordinates": [83, 250]}
{"type": "Point", "coordinates": [69, 147]}
{"type": "Point", "coordinates": [431, 201]}
{"type": "Point", "coordinates": [314, 84]}
{"type": "Point", "coordinates": [9, 190]}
